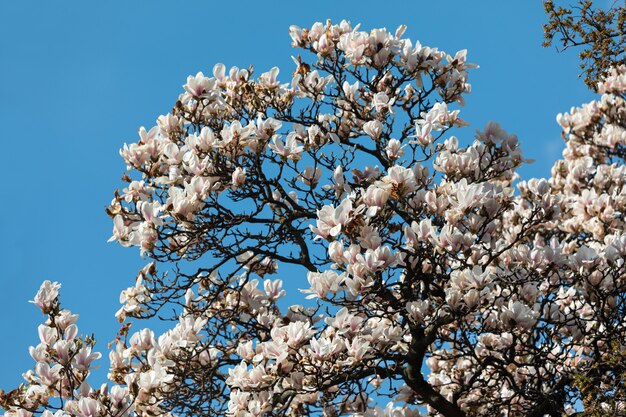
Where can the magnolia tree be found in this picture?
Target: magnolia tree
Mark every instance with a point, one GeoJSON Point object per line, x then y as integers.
{"type": "Point", "coordinates": [434, 282]}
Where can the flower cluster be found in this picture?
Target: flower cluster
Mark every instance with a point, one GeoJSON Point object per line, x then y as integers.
{"type": "Point", "coordinates": [436, 283]}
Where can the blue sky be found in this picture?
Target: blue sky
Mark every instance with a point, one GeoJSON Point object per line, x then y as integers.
{"type": "Point", "coordinates": [78, 78]}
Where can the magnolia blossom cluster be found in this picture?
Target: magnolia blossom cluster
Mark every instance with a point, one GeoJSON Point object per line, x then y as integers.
{"type": "Point", "coordinates": [434, 282]}
{"type": "Point", "coordinates": [222, 124]}
{"type": "Point", "coordinates": [142, 367]}
{"type": "Point", "coordinates": [64, 360]}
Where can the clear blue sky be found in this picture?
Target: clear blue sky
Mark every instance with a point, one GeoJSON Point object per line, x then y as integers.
{"type": "Point", "coordinates": [77, 78]}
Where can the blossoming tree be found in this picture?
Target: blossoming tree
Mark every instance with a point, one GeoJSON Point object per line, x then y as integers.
{"type": "Point", "coordinates": [434, 283]}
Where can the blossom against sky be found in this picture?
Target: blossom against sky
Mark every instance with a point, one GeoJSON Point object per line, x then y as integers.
{"type": "Point", "coordinates": [77, 79]}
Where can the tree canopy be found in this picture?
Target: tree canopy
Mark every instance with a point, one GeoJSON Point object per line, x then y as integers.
{"type": "Point", "coordinates": [434, 281]}
{"type": "Point", "coordinates": [599, 31]}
